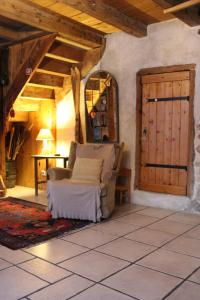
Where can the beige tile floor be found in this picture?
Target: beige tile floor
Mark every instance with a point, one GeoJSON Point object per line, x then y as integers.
{"type": "Point", "coordinates": [140, 253]}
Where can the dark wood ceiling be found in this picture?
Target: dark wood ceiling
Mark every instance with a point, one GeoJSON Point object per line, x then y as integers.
{"type": "Point", "coordinates": [85, 21]}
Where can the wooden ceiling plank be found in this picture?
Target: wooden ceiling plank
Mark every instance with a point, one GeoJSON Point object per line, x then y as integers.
{"type": "Point", "coordinates": [44, 19]}
{"type": "Point", "coordinates": [192, 19]}
{"type": "Point", "coordinates": [181, 6]}
{"type": "Point", "coordinates": [108, 14]}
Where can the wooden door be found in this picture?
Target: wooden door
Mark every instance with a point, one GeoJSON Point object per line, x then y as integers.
{"type": "Point", "coordinates": [165, 132]}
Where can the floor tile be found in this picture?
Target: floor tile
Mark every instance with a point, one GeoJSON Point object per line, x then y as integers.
{"type": "Point", "coordinates": [56, 250]}
{"type": "Point", "coordinates": [171, 227]}
{"type": "Point", "coordinates": [44, 270]}
{"type": "Point", "coordinates": [63, 289]}
{"type": "Point", "coordinates": [89, 238]}
{"type": "Point", "coordinates": [14, 256]}
{"type": "Point", "coordinates": [185, 218]}
{"type": "Point", "coordinates": [142, 283]}
{"type": "Point", "coordinates": [115, 228]}
{"type": "Point", "coordinates": [94, 265]}
{"type": "Point", "coordinates": [126, 249]}
{"type": "Point", "coordinates": [194, 233]}
{"type": "Point", "coordinates": [17, 283]}
{"type": "Point", "coordinates": [99, 292]}
{"type": "Point", "coordinates": [137, 219]}
{"type": "Point", "coordinates": [171, 263]}
{"type": "Point", "coordinates": [195, 277]}
{"type": "Point", "coordinates": [156, 212]}
{"type": "Point", "coordinates": [4, 264]}
{"type": "Point", "coordinates": [185, 245]}
{"type": "Point", "coordinates": [151, 237]}
{"type": "Point", "coordinates": [187, 291]}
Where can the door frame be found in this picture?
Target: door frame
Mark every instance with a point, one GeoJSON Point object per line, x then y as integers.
{"type": "Point", "coordinates": [158, 70]}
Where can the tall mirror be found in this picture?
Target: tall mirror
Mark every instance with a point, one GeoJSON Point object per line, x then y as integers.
{"type": "Point", "coordinates": [101, 107]}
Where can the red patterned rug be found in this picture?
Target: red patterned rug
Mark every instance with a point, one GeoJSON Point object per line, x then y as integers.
{"type": "Point", "coordinates": [24, 223]}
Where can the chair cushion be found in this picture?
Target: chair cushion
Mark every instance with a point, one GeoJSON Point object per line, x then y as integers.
{"type": "Point", "coordinates": [100, 151]}
{"type": "Point", "coordinates": [87, 169]}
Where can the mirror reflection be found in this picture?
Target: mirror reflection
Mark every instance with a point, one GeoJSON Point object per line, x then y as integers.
{"type": "Point", "coordinates": [101, 105]}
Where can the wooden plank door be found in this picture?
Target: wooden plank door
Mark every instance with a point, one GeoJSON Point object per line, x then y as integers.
{"type": "Point", "coordinates": [165, 132]}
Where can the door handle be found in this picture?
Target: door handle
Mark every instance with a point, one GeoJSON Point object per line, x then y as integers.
{"type": "Point", "coordinates": [144, 132]}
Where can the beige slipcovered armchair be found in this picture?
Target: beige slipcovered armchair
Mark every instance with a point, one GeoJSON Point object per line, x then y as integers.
{"type": "Point", "coordinates": [86, 189]}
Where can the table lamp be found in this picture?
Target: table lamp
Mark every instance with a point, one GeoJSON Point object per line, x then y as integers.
{"type": "Point", "coordinates": [45, 135]}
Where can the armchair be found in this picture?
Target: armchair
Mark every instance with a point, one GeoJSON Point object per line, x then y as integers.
{"type": "Point", "coordinates": [86, 189]}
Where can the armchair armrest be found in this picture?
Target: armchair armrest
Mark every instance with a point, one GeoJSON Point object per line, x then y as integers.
{"type": "Point", "coordinates": [59, 173]}
{"type": "Point", "coordinates": [112, 175]}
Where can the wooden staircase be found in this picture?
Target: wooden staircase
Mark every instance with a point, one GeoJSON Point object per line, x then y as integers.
{"type": "Point", "coordinates": [46, 75]}
{"type": "Point", "coordinates": [40, 74]}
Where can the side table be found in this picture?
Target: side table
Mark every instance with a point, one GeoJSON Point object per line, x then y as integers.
{"type": "Point", "coordinates": [46, 157]}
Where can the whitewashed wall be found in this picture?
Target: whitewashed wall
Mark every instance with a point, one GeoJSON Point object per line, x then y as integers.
{"type": "Point", "coordinates": [167, 43]}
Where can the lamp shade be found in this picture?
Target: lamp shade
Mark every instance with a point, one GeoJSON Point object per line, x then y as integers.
{"type": "Point", "coordinates": [45, 134]}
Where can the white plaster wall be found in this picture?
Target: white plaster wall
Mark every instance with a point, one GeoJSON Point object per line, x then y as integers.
{"type": "Point", "coordinates": [167, 43]}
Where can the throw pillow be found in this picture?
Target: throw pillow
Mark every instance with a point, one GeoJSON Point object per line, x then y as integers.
{"type": "Point", "coordinates": [88, 169]}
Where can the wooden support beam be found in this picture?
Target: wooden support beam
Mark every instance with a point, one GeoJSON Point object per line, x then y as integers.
{"type": "Point", "coordinates": [41, 46]}
{"type": "Point", "coordinates": [14, 35]}
{"type": "Point", "coordinates": [100, 10]}
{"type": "Point", "coordinates": [34, 15]}
{"type": "Point", "coordinates": [91, 58]}
{"type": "Point", "coordinates": [181, 6]}
{"type": "Point", "coordinates": [7, 33]}
{"type": "Point", "coordinates": [189, 17]}
{"type": "Point", "coordinates": [55, 66]}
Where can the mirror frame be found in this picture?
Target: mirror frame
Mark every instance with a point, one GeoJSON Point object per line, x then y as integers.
{"type": "Point", "coordinates": [116, 112]}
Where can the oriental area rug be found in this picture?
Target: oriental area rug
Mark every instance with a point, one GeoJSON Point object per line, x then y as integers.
{"type": "Point", "coordinates": [24, 224]}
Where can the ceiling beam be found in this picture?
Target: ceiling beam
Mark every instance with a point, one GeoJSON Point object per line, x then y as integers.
{"type": "Point", "coordinates": [181, 6]}
{"type": "Point", "coordinates": [189, 17]}
{"type": "Point", "coordinates": [7, 33]}
{"type": "Point", "coordinates": [36, 16]}
{"type": "Point", "coordinates": [16, 35]}
{"type": "Point", "coordinates": [108, 14]}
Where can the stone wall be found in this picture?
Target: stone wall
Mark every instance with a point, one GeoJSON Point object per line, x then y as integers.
{"type": "Point", "coordinates": [167, 43]}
